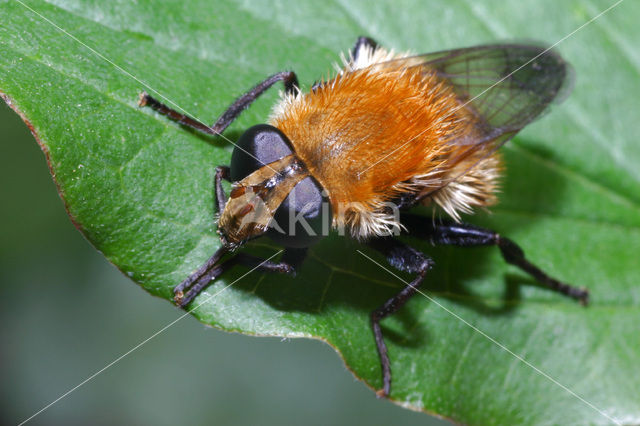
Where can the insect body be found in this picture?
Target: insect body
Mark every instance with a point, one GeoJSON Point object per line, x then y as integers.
{"type": "Point", "coordinates": [357, 152]}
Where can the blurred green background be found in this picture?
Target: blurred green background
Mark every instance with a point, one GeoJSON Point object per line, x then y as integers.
{"type": "Point", "coordinates": [65, 313]}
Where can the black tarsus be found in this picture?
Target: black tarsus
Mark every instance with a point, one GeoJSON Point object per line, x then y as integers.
{"type": "Point", "coordinates": [290, 85]}
{"type": "Point", "coordinates": [404, 258]}
{"type": "Point", "coordinates": [203, 279]}
{"type": "Point", "coordinates": [197, 276]}
{"type": "Point", "coordinates": [465, 235]}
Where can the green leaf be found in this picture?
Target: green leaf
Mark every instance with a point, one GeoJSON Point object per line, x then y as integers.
{"type": "Point", "coordinates": [140, 188]}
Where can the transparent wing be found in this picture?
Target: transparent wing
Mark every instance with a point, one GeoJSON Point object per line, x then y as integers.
{"type": "Point", "coordinates": [506, 85]}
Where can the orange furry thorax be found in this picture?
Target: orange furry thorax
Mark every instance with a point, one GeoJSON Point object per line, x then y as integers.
{"type": "Point", "coordinates": [373, 133]}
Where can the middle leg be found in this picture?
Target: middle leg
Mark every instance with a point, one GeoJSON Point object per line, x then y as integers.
{"type": "Point", "coordinates": [404, 258]}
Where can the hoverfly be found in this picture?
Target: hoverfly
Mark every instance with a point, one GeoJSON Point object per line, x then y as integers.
{"type": "Point", "coordinates": [389, 129]}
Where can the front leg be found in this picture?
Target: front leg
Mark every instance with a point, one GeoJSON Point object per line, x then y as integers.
{"type": "Point", "coordinates": [290, 86]}
{"type": "Point", "coordinates": [187, 290]}
{"type": "Point", "coordinates": [465, 235]}
{"type": "Point", "coordinates": [222, 172]}
{"type": "Point", "coordinates": [407, 259]}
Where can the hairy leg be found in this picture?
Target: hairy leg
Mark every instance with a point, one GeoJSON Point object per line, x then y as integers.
{"type": "Point", "coordinates": [465, 235]}
{"type": "Point", "coordinates": [290, 84]}
{"type": "Point", "coordinates": [404, 258]}
{"type": "Point", "coordinates": [187, 290]}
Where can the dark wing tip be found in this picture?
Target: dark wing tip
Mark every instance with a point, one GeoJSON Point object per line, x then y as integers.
{"type": "Point", "coordinates": [540, 71]}
{"type": "Point", "coordinates": [509, 85]}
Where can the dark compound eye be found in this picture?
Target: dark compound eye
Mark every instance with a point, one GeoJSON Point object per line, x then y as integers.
{"type": "Point", "coordinates": [305, 215]}
{"type": "Point", "coordinates": [303, 218]}
{"type": "Point", "coordinates": [265, 143]}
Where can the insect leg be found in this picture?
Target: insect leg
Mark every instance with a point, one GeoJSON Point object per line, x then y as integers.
{"type": "Point", "coordinates": [294, 257]}
{"type": "Point", "coordinates": [360, 43]}
{"type": "Point", "coordinates": [186, 291]}
{"type": "Point", "coordinates": [407, 259]}
{"type": "Point", "coordinates": [290, 85]}
{"type": "Point", "coordinates": [290, 81]}
{"type": "Point", "coordinates": [195, 277]}
{"type": "Point", "coordinates": [222, 172]}
{"type": "Point", "coordinates": [465, 235]}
